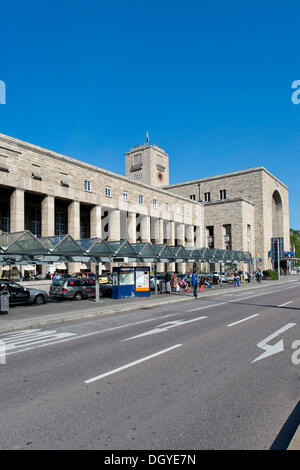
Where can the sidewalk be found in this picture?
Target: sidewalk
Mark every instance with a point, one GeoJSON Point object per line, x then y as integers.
{"type": "Point", "coordinates": [38, 316]}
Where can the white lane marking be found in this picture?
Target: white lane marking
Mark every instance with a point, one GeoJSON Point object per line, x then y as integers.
{"type": "Point", "coordinates": [240, 298]}
{"type": "Point", "coordinates": [85, 335]}
{"type": "Point", "coordinates": [244, 319]}
{"type": "Point", "coordinates": [275, 348]}
{"type": "Point", "coordinates": [286, 303]}
{"type": "Point", "coordinates": [33, 338]}
{"type": "Point", "coordinates": [262, 293]}
{"type": "Point", "coordinates": [131, 364]}
{"type": "Point", "coordinates": [164, 327]}
{"type": "Point", "coordinates": [206, 306]}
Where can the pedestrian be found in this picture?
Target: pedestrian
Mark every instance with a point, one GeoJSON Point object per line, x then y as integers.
{"type": "Point", "coordinates": [202, 283]}
{"type": "Point", "coordinates": [56, 276]}
{"type": "Point", "coordinates": [249, 278]}
{"type": "Point", "coordinates": [168, 283]}
{"type": "Point", "coordinates": [195, 284]}
{"type": "Point", "coordinates": [258, 278]}
{"type": "Point", "coordinates": [174, 282]}
{"type": "Point", "coordinates": [182, 283]}
{"type": "Point", "coordinates": [236, 280]}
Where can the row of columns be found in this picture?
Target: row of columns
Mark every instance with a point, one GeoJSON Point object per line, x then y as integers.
{"type": "Point", "coordinates": [162, 230]}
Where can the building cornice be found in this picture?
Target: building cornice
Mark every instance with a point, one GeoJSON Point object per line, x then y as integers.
{"type": "Point", "coordinates": [225, 175]}
{"type": "Point", "coordinates": [22, 145]}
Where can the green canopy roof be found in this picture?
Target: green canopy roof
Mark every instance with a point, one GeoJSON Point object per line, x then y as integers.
{"type": "Point", "coordinates": [24, 247]}
{"type": "Point", "coordinates": [164, 253]}
{"type": "Point", "coordinates": [145, 251]}
{"type": "Point", "coordinates": [21, 242]}
{"type": "Point", "coordinates": [123, 249]}
{"type": "Point", "coordinates": [97, 248]}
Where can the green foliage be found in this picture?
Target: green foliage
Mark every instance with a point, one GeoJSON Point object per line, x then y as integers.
{"type": "Point", "coordinates": [269, 274]}
{"type": "Point", "coordinates": [295, 243]}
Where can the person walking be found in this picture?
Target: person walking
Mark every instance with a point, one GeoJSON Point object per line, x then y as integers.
{"type": "Point", "coordinates": [258, 276]}
{"type": "Point", "coordinates": [195, 284]}
{"type": "Point", "coordinates": [174, 282]}
{"type": "Point", "coordinates": [236, 280]}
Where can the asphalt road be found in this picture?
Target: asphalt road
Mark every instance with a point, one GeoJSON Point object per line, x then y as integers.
{"type": "Point", "coordinates": [200, 374]}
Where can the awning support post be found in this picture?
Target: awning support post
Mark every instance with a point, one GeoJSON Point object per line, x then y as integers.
{"type": "Point", "coordinates": [97, 283]}
{"type": "Point", "coordinates": [155, 278]}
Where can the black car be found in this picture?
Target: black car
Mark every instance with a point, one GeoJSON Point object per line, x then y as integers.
{"type": "Point", "coordinates": [17, 293]}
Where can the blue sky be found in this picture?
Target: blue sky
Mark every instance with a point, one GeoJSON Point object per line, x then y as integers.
{"type": "Point", "coordinates": [210, 81]}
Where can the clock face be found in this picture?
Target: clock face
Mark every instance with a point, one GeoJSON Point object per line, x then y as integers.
{"type": "Point", "coordinates": [160, 176]}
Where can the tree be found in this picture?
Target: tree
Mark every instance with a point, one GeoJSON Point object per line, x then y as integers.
{"type": "Point", "coordinates": [295, 242]}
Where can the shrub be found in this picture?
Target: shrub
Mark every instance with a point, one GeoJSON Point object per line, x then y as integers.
{"type": "Point", "coordinates": [270, 274]}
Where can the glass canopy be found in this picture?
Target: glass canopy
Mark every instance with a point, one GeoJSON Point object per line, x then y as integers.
{"type": "Point", "coordinates": [24, 247]}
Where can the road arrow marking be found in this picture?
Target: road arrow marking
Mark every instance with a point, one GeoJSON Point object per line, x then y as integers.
{"type": "Point", "coordinates": [275, 348]}
{"type": "Point", "coordinates": [165, 327]}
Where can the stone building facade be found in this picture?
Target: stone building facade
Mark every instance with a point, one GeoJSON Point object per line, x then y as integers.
{"type": "Point", "coordinates": [243, 210]}
{"type": "Point", "coordinates": [53, 194]}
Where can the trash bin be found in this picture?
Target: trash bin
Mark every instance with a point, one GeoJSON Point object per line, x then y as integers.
{"type": "Point", "coordinates": [4, 303]}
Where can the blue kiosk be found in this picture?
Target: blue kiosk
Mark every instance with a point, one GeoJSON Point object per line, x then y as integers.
{"type": "Point", "coordinates": [131, 282]}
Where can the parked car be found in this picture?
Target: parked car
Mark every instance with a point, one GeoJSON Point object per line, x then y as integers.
{"type": "Point", "coordinates": [72, 288]}
{"type": "Point", "coordinates": [89, 275]}
{"type": "Point", "coordinates": [159, 277]}
{"type": "Point", "coordinates": [103, 278]}
{"type": "Point", "coordinates": [77, 275]}
{"type": "Point", "coordinates": [21, 295]}
{"type": "Point", "coordinates": [106, 290]}
{"type": "Point", "coordinates": [38, 296]}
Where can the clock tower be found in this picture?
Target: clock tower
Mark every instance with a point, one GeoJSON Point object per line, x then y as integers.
{"type": "Point", "coordinates": [148, 164]}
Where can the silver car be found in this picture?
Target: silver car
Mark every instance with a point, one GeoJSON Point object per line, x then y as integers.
{"type": "Point", "coordinates": [38, 296]}
{"type": "Point", "coordinates": [72, 288]}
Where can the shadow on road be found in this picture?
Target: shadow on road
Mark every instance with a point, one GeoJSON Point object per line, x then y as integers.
{"type": "Point", "coordinates": [288, 430]}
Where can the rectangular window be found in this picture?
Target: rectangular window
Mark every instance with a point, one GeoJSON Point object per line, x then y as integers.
{"type": "Point", "coordinates": [141, 199]}
{"type": "Point", "coordinates": [193, 197]}
{"type": "Point", "coordinates": [249, 237]}
{"type": "Point", "coordinates": [167, 207]}
{"type": "Point", "coordinates": [207, 197]}
{"type": "Point", "coordinates": [87, 185]}
{"type": "Point", "coordinates": [210, 236]}
{"type": "Point", "coordinates": [223, 194]}
{"type": "Point", "coordinates": [60, 222]}
{"type": "Point", "coordinates": [3, 163]}
{"type": "Point", "coordinates": [125, 196]}
{"type": "Point", "coordinates": [108, 191]}
{"type": "Point", "coordinates": [64, 179]}
{"type": "Point", "coordinates": [227, 236]}
{"type": "Point", "coordinates": [36, 172]}
{"type": "Point", "coordinates": [137, 159]}
{"type": "Point", "coordinates": [154, 203]}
